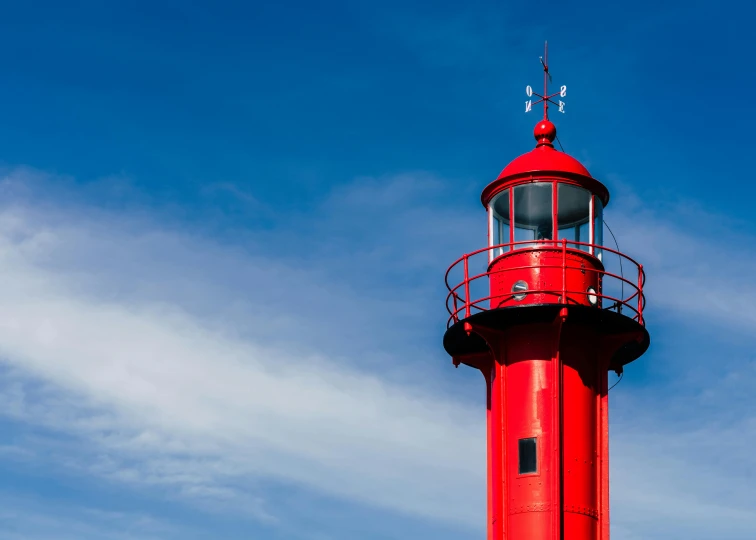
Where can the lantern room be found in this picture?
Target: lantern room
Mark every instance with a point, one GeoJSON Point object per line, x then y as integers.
{"type": "Point", "coordinates": [545, 195]}
{"type": "Point", "coordinates": [542, 202]}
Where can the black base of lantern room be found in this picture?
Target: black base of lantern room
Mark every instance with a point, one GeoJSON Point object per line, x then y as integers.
{"type": "Point", "coordinates": [458, 343]}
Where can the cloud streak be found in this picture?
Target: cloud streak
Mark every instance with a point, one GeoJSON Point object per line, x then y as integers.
{"type": "Point", "coordinates": [172, 399]}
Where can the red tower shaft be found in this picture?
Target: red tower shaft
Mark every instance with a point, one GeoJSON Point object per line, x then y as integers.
{"type": "Point", "coordinates": [539, 313]}
{"type": "Point", "coordinates": [546, 396]}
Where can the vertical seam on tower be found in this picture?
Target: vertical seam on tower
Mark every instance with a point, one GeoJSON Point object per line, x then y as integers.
{"type": "Point", "coordinates": [557, 436]}
{"type": "Point", "coordinates": [597, 450]}
{"type": "Point", "coordinates": [605, 451]}
{"type": "Point", "coordinates": [505, 488]}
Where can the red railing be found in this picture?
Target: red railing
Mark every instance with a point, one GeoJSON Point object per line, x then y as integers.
{"type": "Point", "coordinates": [460, 305]}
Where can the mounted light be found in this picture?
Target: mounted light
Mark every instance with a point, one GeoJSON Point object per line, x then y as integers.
{"type": "Point", "coordinates": [592, 298]}
{"type": "Point", "coordinates": [517, 287]}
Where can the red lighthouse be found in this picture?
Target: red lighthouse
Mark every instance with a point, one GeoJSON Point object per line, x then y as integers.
{"type": "Point", "coordinates": [544, 315]}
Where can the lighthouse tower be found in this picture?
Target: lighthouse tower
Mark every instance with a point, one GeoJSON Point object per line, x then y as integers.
{"type": "Point", "coordinates": [545, 311]}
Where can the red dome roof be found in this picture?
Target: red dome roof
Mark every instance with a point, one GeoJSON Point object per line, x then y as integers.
{"type": "Point", "coordinates": [544, 161]}
{"type": "Point", "coordinates": [544, 158]}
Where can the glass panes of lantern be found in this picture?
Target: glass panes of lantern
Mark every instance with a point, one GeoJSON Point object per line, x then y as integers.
{"type": "Point", "coordinates": [500, 222]}
{"type": "Point", "coordinates": [532, 213]}
{"type": "Point", "coordinates": [598, 226]}
{"type": "Point", "coordinates": [573, 215]}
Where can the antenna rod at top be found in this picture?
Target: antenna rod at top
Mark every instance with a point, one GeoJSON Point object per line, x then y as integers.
{"type": "Point", "coordinates": [546, 77]}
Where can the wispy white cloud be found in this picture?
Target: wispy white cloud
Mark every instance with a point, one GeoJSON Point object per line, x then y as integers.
{"type": "Point", "coordinates": [159, 392]}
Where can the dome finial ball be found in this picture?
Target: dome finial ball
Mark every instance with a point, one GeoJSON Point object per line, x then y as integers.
{"type": "Point", "coordinates": [544, 132]}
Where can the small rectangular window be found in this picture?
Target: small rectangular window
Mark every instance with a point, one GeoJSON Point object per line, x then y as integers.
{"type": "Point", "coordinates": [527, 455]}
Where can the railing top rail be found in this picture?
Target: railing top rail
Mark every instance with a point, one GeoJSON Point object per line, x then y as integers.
{"type": "Point", "coordinates": [541, 244]}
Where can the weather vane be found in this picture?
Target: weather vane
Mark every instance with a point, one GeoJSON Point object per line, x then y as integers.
{"type": "Point", "coordinates": [545, 98]}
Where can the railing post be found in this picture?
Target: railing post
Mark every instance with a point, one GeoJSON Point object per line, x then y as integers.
{"type": "Point", "coordinates": [640, 293]}
{"type": "Point", "coordinates": [564, 271]}
{"type": "Point", "coordinates": [467, 290]}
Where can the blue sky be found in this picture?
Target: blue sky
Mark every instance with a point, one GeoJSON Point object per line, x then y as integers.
{"type": "Point", "coordinates": [223, 232]}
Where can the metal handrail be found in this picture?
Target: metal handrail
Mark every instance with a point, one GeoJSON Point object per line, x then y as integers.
{"type": "Point", "coordinates": [462, 303]}
{"type": "Point", "coordinates": [602, 273]}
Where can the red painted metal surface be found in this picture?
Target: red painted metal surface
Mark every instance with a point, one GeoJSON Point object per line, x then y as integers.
{"type": "Point", "coordinates": [544, 158]}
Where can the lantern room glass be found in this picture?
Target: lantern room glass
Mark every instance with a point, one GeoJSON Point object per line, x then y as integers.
{"type": "Point", "coordinates": [598, 227]}
{"type": "Point", "coordinates": [533, 213]}
{"type": "Point", "coordinates": [525, 214]}
{"type": "Point", "coordinates": [574, 216]}
{"type": "Point", "coordinates": [499, 223]}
